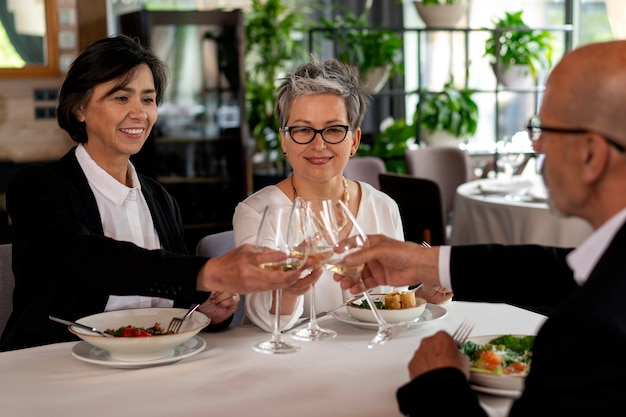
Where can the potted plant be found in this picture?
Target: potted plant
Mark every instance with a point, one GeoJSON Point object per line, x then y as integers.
{"type": "Point", "coordinates": [517, 49]}
{"type": "Point", "coordinates": [376, 52]}
{"type": "Point", "coordinates": [447, 117]}
{"type": "Point", "coordinates": [270, 51]}
{"type": "Point", "coordinates": [395, 137]}
{"type": "Point", "coordinates": [441, 13]}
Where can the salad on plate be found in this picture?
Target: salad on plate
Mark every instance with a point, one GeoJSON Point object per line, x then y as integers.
{"type": "Point", "coordinates": [500, 362]}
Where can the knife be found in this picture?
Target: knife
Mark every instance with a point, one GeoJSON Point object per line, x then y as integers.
{"type": "Point", "coordinates": [82, 326]}
{"type": "Point", "coordinates": [322, 314]}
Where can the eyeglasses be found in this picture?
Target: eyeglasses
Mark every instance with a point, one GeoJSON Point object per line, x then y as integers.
{"type": "Point", "coordinates": [535, 129]}
{"type": "Point", "coordinates": [305, 134]}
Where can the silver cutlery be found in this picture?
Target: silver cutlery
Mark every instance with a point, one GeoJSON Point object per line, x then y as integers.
{"type": "Point", "coordinates": [317, 316]}
{"type": "Point", "coordinates": [322, 314]}
{"type": "Point", "coordinates": [176, 322]}
{"type": "Point", "coordinates": [462, 332]}
{"type": "Point", "coordinates": [82, 326]}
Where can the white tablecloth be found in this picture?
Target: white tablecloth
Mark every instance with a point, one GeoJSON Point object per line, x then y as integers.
{"type": "Point", "coordinates": [338, 377]}
{"type": "Point", "coordinates": [493, 218]}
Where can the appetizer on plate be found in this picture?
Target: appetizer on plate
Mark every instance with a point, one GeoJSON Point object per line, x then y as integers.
{"type": "Point", "coordinates": [395, 307]}
{"type": "Point", "coordinates": [499, 361]}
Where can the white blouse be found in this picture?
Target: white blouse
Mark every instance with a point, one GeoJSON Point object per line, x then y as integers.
{"type": "Point", "coordinates": [377, 214]}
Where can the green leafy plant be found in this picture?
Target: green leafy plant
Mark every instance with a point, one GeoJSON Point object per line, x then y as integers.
{"type": "Point", "coordinates": [453, 110]}
{"type": "Point", "coordinates": [271, 49]}
{"type": "Point", "coordinates": [514, 43]}
{"type": "Point", "coordinates": [390, 144]}
{"type": "Point", "coordinates": [364, 47]}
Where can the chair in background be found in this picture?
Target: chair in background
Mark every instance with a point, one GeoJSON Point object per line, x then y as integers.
{"type": "Point", "coordinates": [217, 244]}
{"type": "Point", "coordinates": [7, 283]}
{"type": "Point", "coordinates": [449, 167]}
{"type": "Point", "coordinates": [419, 201]}
{"type": "Point", "coordinates": [366, 169]}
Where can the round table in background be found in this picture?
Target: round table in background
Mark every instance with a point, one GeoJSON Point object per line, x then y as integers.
{"type": "Point", "coordinates": [484, 215]}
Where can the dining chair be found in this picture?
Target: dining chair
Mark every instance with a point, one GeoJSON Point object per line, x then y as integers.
{"type": "Point", "coordinates": [7, 283]}
{"type": "Point", "coordinates": [419, 201]}
{"type": "Point", "coordinates": [366, 169]}
{"type": "Point", "coordinates": [217, 244]}
{"type": "Point", "coordinates": [448, 166]}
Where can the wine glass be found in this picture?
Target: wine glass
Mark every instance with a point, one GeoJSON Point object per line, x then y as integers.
{"type": "Point", "coordinates": [512, 157]}
{"type": "Point", "coordinates": [282, 228]}
{"type": "Point", "coordinates": [320, 218]}
{"type": "Point", "coordinates": [356, 240]}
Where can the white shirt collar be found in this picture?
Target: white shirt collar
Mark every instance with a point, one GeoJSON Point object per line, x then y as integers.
{"type": "Point", "coordinates": [584, 258]}
{"type": "Point", "coordinates": [101, 180]}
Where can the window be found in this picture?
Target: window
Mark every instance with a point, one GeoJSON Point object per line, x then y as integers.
{"type": "Point", "coordinates": [503, 112]}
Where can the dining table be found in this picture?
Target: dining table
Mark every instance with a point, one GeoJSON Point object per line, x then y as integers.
{"type": "Point", "coordinates": [511, 211]}
{"type": "Point", "coordinates": [333, 377]}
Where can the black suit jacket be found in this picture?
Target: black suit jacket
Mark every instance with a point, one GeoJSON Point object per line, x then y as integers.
{"type": "Point", "coordinates": [65, 266]}
{"type": "Point", "coordinates": [579, 356]}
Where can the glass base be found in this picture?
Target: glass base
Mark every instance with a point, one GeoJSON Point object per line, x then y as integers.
{"type": "Point", "coordinates": [275, 346]}
{"type": "Point", "coordinates": [312, 334]}
{"type": "Point", "coordinates": [386, 333]}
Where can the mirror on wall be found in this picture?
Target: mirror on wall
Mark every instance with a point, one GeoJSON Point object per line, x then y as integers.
{"type": "Point", "coordinates": [28, 38]}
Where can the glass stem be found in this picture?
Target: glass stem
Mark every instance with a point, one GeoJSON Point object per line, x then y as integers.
{"type": "Point", "coordinates": [313, 320]}
{"type": "Point", "coordinates": [381, 321]}
{"type": "Point", "coordinates": [278, 295]}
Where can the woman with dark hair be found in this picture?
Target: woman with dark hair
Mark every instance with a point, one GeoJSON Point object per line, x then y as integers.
{"type": "Point", "coordinates": [90, 234]}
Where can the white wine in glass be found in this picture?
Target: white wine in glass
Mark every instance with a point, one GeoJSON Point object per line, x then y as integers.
{"type": "Point", "coordinates": [283, 228]}
{"type": "Point", "coordinates": [319, 212]}
{"type": "Point", "coordinates": [356, 240]}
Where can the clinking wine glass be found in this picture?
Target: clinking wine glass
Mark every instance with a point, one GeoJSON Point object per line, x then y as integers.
{"type": "Point", "coordinates": [356, 240]}
{"type": "Point", "coordinates": [320, 218]}
{"type": "Point", "coordinates": [282, 228]}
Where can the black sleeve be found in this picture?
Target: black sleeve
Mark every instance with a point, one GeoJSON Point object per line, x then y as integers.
{"type": "Point", "coordinates": [530, 276]}
{"type": "Point", "coordinates": [442, 391]}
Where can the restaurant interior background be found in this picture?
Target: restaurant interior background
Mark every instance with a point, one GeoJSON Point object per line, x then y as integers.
{"type": "Point", "coordinates": [29, 133]}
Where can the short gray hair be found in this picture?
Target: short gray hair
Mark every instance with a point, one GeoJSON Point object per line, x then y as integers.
{"type": "Point", "coordinates": [323, 77]}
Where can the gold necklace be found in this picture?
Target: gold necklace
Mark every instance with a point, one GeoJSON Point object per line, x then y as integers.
{"type": "Point", "coordinates": [346, 192]}
{"type": "Point", "coordinates": [345, 198]}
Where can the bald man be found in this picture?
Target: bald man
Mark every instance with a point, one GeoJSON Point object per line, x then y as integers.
{"type": "Point", "coordinates": [579, 356]}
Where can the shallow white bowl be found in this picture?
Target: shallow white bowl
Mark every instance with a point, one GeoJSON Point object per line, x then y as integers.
{"type": "Point", "coordinates": [503, 382]}
{"type": "Point", "coordinates": [140, 348]}
{"type": "Point", "coordinates": [391, 316]}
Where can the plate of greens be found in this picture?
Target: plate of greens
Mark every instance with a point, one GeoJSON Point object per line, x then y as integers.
{"type": "Point", "coordinates": [499, 361]}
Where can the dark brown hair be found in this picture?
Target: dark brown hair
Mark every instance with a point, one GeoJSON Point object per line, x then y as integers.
{"type": "Point", "coordinates": [114, 58]}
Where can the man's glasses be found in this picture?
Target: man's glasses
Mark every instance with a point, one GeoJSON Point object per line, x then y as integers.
{"type": "Point", "coordinates": [535, 129]}
{"type": "Point", "coordinates": [305, 134]}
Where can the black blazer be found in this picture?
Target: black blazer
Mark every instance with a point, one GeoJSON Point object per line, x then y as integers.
{"type": "Point", "coordinates": [579, 356]}
{"type": "Point", "coordinates": [65, 266]}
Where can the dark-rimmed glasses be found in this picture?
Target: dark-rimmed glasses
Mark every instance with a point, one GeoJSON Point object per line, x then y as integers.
{"type": "Point", "coordinates": [535, 129]}
{"type": "Point", "coordinates": [305, 134]}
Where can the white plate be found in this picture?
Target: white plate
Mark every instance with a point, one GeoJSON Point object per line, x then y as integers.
{"type": "Point", "coordinates": [88, 353]}
{"type": "Point", "coordinates": [538, 196]}
{"type": "Point", "coordinates": [142, 349]}
{"type": "Point", "coordinates": [498, 382]}
{"type": "Point", "coordinates": [501, 187]}
{"type": "Point", "coordinates": [497, 392]}
{"type": "Point", "coordinates": [390, 316]}
{"type": "Point", "coordinates": [431, 313]}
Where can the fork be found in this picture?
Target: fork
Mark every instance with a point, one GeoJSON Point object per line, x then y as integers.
{"type": "Point", "coordinates": [176, 322]}
{"type": "Point", "coordinates": [461, 334]}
